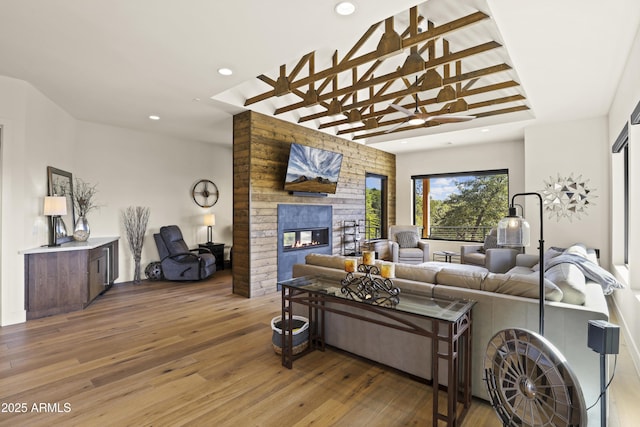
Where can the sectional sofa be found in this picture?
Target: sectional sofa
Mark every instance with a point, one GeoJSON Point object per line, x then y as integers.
{"type": "Point", "coordinates": [502, 301]}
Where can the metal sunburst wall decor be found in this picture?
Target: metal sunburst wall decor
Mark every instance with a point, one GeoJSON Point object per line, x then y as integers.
{"type": "Point", "coordinates": [567, 197]}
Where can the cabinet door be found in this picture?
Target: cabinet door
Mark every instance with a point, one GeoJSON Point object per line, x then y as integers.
{"type": "Point", "coordinates": [55, 283]}
{"type": "Point", "coordinates": [97, 276]}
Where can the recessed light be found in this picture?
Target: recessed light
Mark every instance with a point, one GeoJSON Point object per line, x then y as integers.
{"type": "Point", "coordinates": [345, 8]}
{"type": "Point", "coordinates": [154, 117]}
{"type": "Point", "coordinates": [485, 130]}
{"type": "Point", "coordinates": [225, 71]}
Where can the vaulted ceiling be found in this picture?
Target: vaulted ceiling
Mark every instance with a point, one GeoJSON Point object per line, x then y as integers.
{"type": "Point", "coordinates": [512, 63]}
{"type": "Point", "coordinates": [418, 69]}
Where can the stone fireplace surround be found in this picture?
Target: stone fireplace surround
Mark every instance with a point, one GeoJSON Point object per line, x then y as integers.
{"type": "Point", "coordinates": [302, 217]}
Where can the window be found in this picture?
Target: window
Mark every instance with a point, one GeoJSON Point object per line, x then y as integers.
{"type": "Point", "coordinates": [461, 206]}
{"type": "Point", "coordinates": [626, 204]}
{"type": "Point", "coordinates": [622, 145]}
{"type": "Point", "coordinates": [375, 206]}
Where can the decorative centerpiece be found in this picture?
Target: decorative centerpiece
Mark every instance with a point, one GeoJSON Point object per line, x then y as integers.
{"type": "Point", "coordinates": [84, 202]}
{"type": "Point", "coordinates": [369, 289]}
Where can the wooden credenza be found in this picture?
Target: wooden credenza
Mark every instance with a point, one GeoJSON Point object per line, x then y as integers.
{"type": "Point", "coordinates": [68, 277]}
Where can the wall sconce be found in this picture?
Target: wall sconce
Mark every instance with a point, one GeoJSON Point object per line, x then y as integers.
{"type": "Point", "coordinates": [210, 221]}
{"type": "Point", "coordinates": [54, 207]}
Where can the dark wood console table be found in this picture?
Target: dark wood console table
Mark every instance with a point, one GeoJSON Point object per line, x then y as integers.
{"type": "Point", "coordinates": [449, 318]}
{"type": "Point", "coordinates": [68, 277]}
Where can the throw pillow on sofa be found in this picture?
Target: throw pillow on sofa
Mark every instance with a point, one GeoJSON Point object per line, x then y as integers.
{"type": "Point", "coordinates": [521, 285]}
{"type": "Point", "coordinates": [567, 276]}
{"type": "Point", "coordinates": [407, 239]}
{"type": "Point", "coordinates": [570, 279]}
{"type": "Point", "coordinates": [490, 241]}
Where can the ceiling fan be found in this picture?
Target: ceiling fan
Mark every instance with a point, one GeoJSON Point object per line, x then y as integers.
{"type": "Point", "coordinates": [417, 118]}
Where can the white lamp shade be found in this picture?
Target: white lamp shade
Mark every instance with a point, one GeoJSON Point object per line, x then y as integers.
{"type": "Point", "coordinates": [55, 205]}
{"type": "Point", "coordinates": [210, 219]}
{"type": "Point", "coordinates": [513, 231]}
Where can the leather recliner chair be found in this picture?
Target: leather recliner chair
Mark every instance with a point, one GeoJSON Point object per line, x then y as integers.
{"type": "Point", "coordinates": [178, 261]}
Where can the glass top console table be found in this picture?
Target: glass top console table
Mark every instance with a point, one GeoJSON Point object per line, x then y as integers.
{"type": "Point", "coordinates": [449, 320]}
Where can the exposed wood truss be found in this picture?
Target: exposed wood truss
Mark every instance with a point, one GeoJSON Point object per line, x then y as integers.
{"type": "Point", "coordinates": [416, 69]}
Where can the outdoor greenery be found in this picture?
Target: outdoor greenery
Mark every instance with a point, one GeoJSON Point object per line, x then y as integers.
{"type": "Point", "coordinates": [469, 213]}
{"type": "Point", "coordinates": [373, 213]}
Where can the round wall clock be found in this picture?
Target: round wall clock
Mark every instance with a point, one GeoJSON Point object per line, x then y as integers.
{"type": "Point", "coordinates": [205, 193]}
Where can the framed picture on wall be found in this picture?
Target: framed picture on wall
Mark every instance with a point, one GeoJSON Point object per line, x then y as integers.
{"type": "Point", "coordinates": [61, 184]}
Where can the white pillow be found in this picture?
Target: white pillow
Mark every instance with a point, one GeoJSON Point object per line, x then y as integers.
{"type": "Point", "coordinates": [521, 285]}
{"type": "Point", "coordinates": [570, 280]}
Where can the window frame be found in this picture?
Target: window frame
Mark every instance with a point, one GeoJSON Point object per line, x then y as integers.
{"type": "Point", "coordinates": [384, 197]}
{"type": "Point", "coordinates": [621, 144]}
{"type": "Point", "coordinates": [487, 172]}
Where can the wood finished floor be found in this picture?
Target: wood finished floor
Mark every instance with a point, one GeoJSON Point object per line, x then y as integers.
{"type": "Point", "coordinates": [170, 354]}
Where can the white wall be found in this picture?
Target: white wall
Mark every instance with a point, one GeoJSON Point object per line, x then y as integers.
{"type": "Point", "coordinates": [627, 301]}
{"type": "Point", "coordinates": [36, 131]}
{"type": "Point", "coordinates": [575, 148]}
{"type": "Point", "coordinates": [130, 168]}
{"type": "Point", "coordinates": [500, 155]}
{"type": "Point", "coordinates": [134, 168]}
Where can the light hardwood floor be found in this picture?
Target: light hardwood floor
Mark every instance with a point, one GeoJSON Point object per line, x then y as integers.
{"type": "Point", "coordinates": [170, 354]}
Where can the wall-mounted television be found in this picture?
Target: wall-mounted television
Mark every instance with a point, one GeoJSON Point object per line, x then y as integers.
{"type": "Point", "coordinates": [312, 170]}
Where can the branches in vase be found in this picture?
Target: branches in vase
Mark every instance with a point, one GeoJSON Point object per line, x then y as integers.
{"type": "Point", "coordinates": [135, 224]}
{"type": "Point", "coordinates": [84, 197]}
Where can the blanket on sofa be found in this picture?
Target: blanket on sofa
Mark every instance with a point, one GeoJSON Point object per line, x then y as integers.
{"type": "Point", "coordinates": [590, 269]}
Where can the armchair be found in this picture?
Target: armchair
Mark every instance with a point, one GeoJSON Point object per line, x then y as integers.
{"type": "Point", "coordinates": [178, 261]}
{"type": "Point", "coordinates": [488, 255]}
{"type": "Point", "coordinates": [406, 246]}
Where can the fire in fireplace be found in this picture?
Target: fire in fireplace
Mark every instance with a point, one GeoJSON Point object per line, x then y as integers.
{"type": "Point", "coordinates": [304, 238]}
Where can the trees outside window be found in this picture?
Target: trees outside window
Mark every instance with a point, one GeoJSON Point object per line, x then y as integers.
{"type": "Point", "coordinates": [375, 206]}
{"type": "Point", "coordinates": [460, 206]}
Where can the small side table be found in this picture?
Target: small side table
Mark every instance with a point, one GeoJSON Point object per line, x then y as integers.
{"type": "Point", "coordinates": [447, 255]}
{"type": "Point", "coordinates": [217, 249]}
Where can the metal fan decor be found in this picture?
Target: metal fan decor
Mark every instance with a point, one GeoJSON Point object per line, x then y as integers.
{"type": "Point", "coordinates": [530, 383]}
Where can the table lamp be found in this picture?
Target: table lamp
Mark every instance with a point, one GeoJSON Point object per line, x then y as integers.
{"type": "Point", "coordinates": [209, 221]}
{"type": "Point", "coordinates": [54, 207]}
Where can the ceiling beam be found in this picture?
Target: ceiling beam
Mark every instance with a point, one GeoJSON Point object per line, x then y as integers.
{"type": "Point", "coordinates": [328, 73]}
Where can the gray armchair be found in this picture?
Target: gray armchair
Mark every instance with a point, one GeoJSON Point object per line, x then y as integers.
{"type": "Point", "coordinates": [178, 261]}
{"type": "Point", "coordinates": [488, 255]}
{"type": "Point", "coordinates": [406, 245]}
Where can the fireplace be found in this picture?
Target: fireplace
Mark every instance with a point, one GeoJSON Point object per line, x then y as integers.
{"type": "Point", "coordinates": [302, 229]}
{"type": "Point", "coordinates": [293, 240]}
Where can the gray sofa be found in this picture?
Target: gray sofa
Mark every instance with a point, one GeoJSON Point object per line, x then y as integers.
{"type": "Point", "coordinates": [502, 301]}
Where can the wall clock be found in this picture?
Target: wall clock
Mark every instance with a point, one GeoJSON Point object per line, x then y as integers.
{"type": "Point", "coordinates": [205, 193]}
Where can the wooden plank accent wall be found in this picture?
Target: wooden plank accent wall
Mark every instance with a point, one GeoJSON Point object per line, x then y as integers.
{"type": "Point", "coordinates": [260, 153]}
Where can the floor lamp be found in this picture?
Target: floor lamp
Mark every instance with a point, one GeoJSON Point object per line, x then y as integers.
{"type": "Point", "coordinates": [514, 230]}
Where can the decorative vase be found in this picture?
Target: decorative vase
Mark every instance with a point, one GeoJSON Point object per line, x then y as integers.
{"type": "Point", "coordinates": [136, 270]}
{"type": "Point", "coordinates": [81, 231]}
